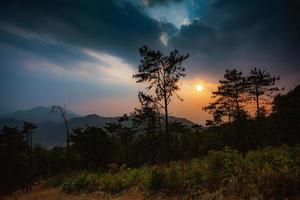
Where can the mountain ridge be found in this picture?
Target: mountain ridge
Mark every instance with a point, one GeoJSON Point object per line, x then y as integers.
{"type": "Point", "coordinates": [51, 132]}
{"type": "Point", "coordinates": [37, 114]}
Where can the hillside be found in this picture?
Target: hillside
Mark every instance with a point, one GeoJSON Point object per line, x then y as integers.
{"type": "Point", "coordinates": [51, 130]}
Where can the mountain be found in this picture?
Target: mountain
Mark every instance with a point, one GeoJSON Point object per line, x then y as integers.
{"type": "Point", "coordinates": [50, 127]}
{"type": "Point", "coordinates": [37, 115]}
{"type": "Point", "coordinates": [91, 120]}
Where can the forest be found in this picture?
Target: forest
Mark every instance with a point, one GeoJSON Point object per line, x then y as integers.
{"type": "Point", "coordinates": [237, 154]}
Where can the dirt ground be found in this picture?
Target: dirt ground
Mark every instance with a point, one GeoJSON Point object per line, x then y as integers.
{"type": "Point", "coordinates": [43, 193]}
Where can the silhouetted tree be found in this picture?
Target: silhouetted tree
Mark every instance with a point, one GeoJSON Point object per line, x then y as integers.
{"type": "Point", "coordinates": [229, 101]}
{"type": "Point", "coordinates": [229, 97]}
{"type": "Point", "coordinates": [261, 86]}
{"type": "Point", "coordinates": [123, 137]}
{"type": "Point", "coordinates": [61, 110]}
{"type": "Point", "coordinates": [57, 159]}
{"type": "Point", "coordinates": [94, 146]}
{"type": "Point", "coordinates": [28, 133]}
{"type": "Point", "coordinates": [14, 168]}
{"type": "Point", "coordinates": [286, 115]}
{"type": "Point", "coordinates": [40, 162]}
{"type": "Point", "coordinates": [147, 119]}
{"type": "Point", "coordinates": [162, 73]}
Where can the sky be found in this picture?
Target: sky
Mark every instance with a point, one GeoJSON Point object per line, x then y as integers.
{"type": "Point", "coordinates": [83, 53]}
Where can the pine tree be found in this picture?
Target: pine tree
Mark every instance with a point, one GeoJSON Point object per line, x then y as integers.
{"type": "Point", "coordinates": [260, 87]}
{"type": "Point", "coordinates": [162, 73]}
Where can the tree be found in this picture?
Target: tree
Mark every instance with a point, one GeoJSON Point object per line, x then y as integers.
{"type": "Point", "coordinates": [123, 137]}
{"type": "Point", "coordinates": [62, 112]}
{"type": "Point", "coordinates": [261, 86]}
{"type": "Point", "coordinates": [147, 117]}
{"type": "Point", "coordinates": [28, 133]}
{"type": "Point", "coordinates": [229, 97]}
{"type": "Point", "coordinates": [219, 109]}
{"type": "Point", "coordinates": [162, 73]}
{"type": "Point", "coordinates": [286, 116]}
{"type": "Point", "coordinates": [14, 168]}
{"type": "Point", "coordinates": [94, 146]}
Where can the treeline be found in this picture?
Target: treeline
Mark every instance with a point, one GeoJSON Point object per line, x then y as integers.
{"type": "Point", "coordinates": [146, 136]}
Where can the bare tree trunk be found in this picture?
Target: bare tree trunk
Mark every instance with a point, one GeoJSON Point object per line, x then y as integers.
{"type": "Point", "coordinates": [68, 144]}
{"type": "Point", "coordinates": [62, 112]}
{"type": "Point", "coordinates": [257, 106]}
{"type": "Point", "coordinates": [167, 129]}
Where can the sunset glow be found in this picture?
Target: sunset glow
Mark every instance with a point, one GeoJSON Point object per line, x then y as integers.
{"type": "Point", "coordinates": [199, 88]}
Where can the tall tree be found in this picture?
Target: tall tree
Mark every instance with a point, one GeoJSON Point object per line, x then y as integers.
{"type": "Point", "coordinates": [229, 97]}
{"type": "Point", "coordinates": [147, 118]}
{"type": "Point", "coordinates": [28, 133]}
{"type": "Point", "coordinates": [229, 101]}
{"type": "Point", "coordinates": [261, 86]}
{"type": "Point", "coordinates": [61, 110]}
{"type": "Point", "coordinates": [162, 73]}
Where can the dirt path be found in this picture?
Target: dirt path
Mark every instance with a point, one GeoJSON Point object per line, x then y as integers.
{"type": "Point", "coordinates": [43, 193]}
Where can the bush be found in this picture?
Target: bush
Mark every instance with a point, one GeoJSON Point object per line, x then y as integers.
{"type": "Point", "coordinates": [270, 173]}
{"type": "Point", "coordinates": [276, 171]}
{"type": "Point", "coordinates": [84, 182]}
{"type": "Point", "coordinates": [155, 180]}
{"type": "Point", "coordinates": [219, 167]}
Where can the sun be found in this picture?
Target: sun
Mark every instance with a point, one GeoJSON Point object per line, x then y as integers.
{"type": "Point", "coordinates": [199, 87]}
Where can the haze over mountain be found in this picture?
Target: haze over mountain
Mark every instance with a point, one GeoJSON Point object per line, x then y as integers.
{"type": "Point", "coordinates": [37, 115]}
{"type": "Point", "coordinates": [50, 128]}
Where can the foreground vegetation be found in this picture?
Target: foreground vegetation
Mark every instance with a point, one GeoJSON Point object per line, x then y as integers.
{"type": "Point", "coordinates": [270, 173]}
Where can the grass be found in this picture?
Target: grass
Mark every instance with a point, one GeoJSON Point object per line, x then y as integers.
{"type": "Point", "coordinates": [270, 173]}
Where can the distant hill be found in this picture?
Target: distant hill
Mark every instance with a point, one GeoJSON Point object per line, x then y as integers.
{"type": "Point", "coordinates": [37, 115]}
{"type": "Point", "coordinates": [91, 120]}
{"type": "Point", "coordinates": [51, 130]}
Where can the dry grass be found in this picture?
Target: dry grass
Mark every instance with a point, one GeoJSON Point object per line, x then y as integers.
{"type": "Point", "coordinates": [43, 193]}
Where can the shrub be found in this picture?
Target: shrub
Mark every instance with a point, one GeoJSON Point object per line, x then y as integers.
{"type": "Point", "coordinates": [155, 180]}
{"type": "Point", "coordinates": [219, 167]}
{"type": "Point", "coordinates": [270, 173]}
{"type": "Point", "coordinates": [84, 182]}
{"type": "Point", "coordinates": [276, 172]}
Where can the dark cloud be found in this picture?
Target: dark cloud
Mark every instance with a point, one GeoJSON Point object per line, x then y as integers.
{"type": "Point", "coordinates": [160, 2]}
{"type": "Point", "coordinates": [54, 52]}
{"type": "Point", "coordinates": [234, 32]}
{"type": "Point", "coordinates": [119, 28]}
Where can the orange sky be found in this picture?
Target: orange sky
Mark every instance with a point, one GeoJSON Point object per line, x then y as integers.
{"type": "Point", "coordinates": [190, 107]}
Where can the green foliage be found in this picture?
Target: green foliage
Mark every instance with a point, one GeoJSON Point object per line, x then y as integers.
{"type": "Point", "coordinates": [155, 180]}
{"type": "Point", "coordinates": [122, 180]}
{"type": "Point", "coordinates": [270, 173]}
{"type": "Point", "coordinates": [276, 171]}
{"type": "Point", "coordinates": [84, 182]}
{"type": "Point", "coordinates": [220, 167]}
